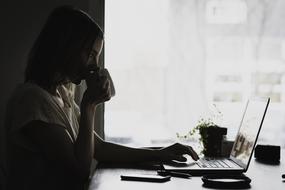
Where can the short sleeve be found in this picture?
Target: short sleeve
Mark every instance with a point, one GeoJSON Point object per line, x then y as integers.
{"type": "Point", "coordinates": [29, 104]}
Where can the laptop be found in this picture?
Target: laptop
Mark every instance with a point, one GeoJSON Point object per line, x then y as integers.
{"type": "Point", "coordinates": [242, 150]}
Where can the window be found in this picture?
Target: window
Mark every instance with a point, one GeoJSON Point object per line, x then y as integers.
{"type": "Point", "coordinates": [171, 60]}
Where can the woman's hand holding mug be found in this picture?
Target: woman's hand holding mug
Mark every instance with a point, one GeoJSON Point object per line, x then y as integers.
{"type": "Point", "coordinates": [100, 87]}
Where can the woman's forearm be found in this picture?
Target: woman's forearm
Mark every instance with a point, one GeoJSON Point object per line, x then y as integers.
{"type": "Point", "coordinates": [84, 145]}
{"type": "Point", "coordinates": [111, 152]}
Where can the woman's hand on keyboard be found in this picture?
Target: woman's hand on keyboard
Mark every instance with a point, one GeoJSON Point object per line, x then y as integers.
{"type": "Point", "coordinates": [176, 152]}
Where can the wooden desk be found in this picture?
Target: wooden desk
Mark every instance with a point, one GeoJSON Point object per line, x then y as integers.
{"type": "Point", "coordinates": [263, 177]}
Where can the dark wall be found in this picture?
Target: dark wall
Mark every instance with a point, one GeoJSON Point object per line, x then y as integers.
{"type": "Point", "coordinates": [21, 22]}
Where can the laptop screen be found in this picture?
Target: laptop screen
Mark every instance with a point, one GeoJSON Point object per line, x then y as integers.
{"type": "Point", "coordinates": [249, 130]}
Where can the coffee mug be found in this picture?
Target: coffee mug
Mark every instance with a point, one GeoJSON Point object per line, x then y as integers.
{"type": "Point", "coordinates": [92, 69]}
{"type": "Point", "coordinates": [105, 71]}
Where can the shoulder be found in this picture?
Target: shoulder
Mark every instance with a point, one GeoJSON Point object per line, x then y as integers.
{"type": "Point", "coordinates": [26, 96]}
{"type": "Point", "coordinates": [31, 98]}
{"type": "Point", "coordinates": [29, 92]}
{"type": "Point", "coordinates": [30, 102]}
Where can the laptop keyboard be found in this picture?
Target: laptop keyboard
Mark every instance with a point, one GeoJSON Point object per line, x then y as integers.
{"type": "Point", "coordinates": [213, 163]}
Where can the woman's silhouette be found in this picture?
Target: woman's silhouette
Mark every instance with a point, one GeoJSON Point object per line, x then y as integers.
{"type": "Point", "coordinates": [51, 140]}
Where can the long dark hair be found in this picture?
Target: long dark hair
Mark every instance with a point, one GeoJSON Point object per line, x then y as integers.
{"type": "Point", "coordinates": [64, 36]}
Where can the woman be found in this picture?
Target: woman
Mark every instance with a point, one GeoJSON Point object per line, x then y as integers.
{"type": "Point", "coordinates": [51, 141]}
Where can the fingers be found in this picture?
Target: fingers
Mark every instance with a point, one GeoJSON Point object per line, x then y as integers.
{"type": "Point", "coordinates": [193, 154]}
{"type": "Point", "coordinates": [106, 85]}
{"type": "Point", "coordinates": [176, 152]}
{"type": "Point", "coordinates": [103, 81]}
{"type": "Point", "coordinates": [98, 86]}
{"type": "Point", "coordinates": [106, 91]}
{"type": "Point", "coordinates": [184, 149]}
{"type": "Point", "coordinates": [107, 74]}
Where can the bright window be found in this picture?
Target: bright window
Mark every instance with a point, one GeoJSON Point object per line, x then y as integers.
{"type": "Point", "coordinates": [171, 60]}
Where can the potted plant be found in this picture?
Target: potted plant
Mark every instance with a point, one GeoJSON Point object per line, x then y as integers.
{"type": "Point", "coordinates": [211, 134]}
{"type": "Point", "coordinates": [211, 137]}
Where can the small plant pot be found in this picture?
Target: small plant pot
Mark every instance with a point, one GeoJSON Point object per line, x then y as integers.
{"type": "Point", "coordinates": [212, 138]}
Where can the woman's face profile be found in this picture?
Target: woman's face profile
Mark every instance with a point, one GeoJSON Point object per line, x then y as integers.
{"type": "Point", "coordinates": [86, 59]}
{"type": "Point", "coordinates": [95, 52]}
